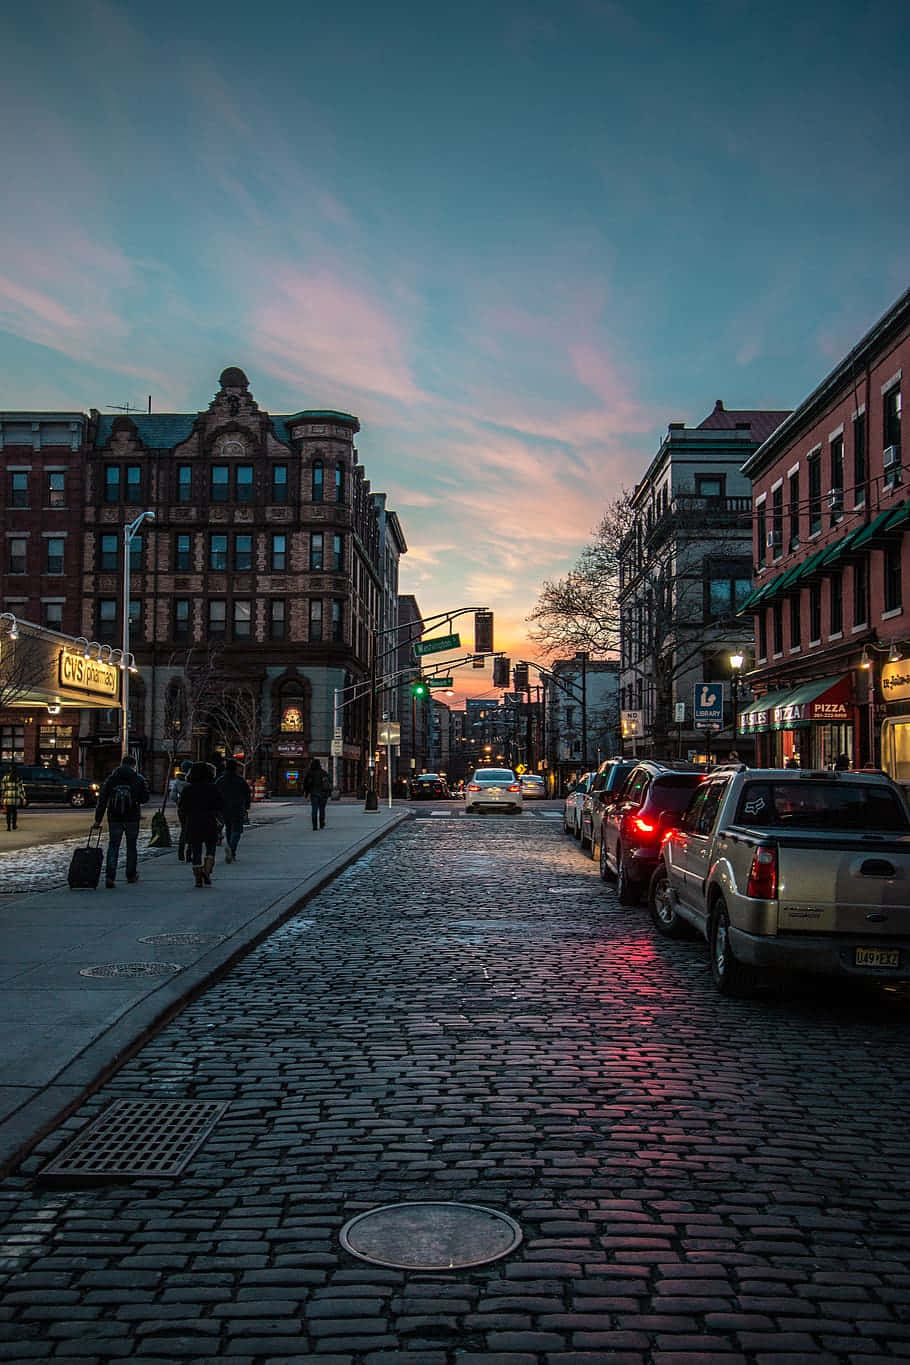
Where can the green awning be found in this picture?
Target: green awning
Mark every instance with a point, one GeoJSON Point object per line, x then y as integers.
{"type": "Point", "coordinates": [881, 527]}
{"type": "Point", "coordinates": [824, 699]}
{"type": "Point", "coordinates": [756, 718]}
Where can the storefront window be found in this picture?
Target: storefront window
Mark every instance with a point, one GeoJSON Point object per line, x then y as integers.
{"type": "Point", "coordinates": [55, 745]}
{"type": "Point", "coordinates": [12, 743]}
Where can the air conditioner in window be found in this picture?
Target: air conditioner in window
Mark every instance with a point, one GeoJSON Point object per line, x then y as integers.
{"type": "Point", "coordinates": [891, 456]}
{"type": "Point", "coordinates": [835, 498]}
{"type": "Point", "coordinates": [774, 540]}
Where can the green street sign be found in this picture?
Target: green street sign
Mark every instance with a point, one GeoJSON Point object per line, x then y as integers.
{"type": "Point", "coordinates": [438, 682]}
{"type": "Point", "coordinates": [438, 645]}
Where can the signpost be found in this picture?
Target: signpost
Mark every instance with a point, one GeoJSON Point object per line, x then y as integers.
{"type": "Point", "coordinates": [437, 646]}
{"type": "Point", "coordinates": [632, 726]}
{"type": "Point", "coordinates": [708, 712]}
{"type": "Point", "coordinates": [438, 682]}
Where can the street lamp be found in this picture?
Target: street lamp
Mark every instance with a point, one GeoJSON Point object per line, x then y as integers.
{"type": "Point", "coordinates": [737, 659]}
{"type": "Point", "coordinates": [127, 664]}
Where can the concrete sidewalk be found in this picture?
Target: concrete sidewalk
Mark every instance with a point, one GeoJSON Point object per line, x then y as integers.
{"type": "Point", "coordinates": [65, 1032]}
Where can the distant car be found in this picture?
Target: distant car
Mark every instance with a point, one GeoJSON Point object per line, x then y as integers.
{"type": "Point", "coordinates": [533, 788]}
{"type": "Point", "coordinates": [429, 787]}
{"type": "Point", "coordinates": [650, 803]}
{"type": "Point", "coordinates": [47, 784]}
{"type": "Point", "coordinates": [571, 811]}
{"type": "Point", "coordinates": [608, 781]}
{"type": "Point", "coordinates": [491, 789]}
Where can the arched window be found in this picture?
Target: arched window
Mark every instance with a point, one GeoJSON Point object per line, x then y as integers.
{"type": "Point", "coordinates": [292, 714]}
{"type": "Point", "coordinates": [318, 480]}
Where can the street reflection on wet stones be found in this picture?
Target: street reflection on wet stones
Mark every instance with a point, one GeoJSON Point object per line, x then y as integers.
{"type": "Point", "coordinates": [467, 1014]}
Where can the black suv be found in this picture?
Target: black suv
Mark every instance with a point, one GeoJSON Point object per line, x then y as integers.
{"type": "Point", "coordinates": [652, 800]}
{"type": "Point", "coordinates": [603, 791]}
{"type": "Point", "coordinates": [48, 784]}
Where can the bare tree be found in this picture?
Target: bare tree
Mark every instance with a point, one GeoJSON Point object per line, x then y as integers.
{"type": "Point", "coordinates": [187, 698]}
{"type": "Point", "coordinates": [581, 611]}
{"type": "Point", "coordinates": [235, 713]}
{"type": "Point", "coordinates": [24, 668]}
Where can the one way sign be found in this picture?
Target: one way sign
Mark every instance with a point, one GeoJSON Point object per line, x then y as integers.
{"type": "Point", "coordinates": [708, 710]}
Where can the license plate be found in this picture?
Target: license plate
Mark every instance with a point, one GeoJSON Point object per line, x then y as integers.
{"type": "Point", "coordinates": [877, 957]}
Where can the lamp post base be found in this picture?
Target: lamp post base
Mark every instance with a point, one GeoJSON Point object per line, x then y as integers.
{"type": "Point", "coordinates": [372, 801]}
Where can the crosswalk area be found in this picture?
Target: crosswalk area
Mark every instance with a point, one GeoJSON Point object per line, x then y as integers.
{"type": "Point", "coordinates": [459, 812]}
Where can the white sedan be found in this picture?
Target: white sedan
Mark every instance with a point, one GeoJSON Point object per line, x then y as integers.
{"type": "Point", "coordinates": [492, 788]}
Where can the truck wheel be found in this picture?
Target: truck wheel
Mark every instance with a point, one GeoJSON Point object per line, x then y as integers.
{"type": "Point", "coordinates": [78, 800]}
{"type": "Point", "coordinates": [660, 904]}
{"type": "Point", "coordinates": [605, 874]}
{"type": "Point", "coordinates": [730, 976]}
{"type": "Point", "coordinates": [628, 892]}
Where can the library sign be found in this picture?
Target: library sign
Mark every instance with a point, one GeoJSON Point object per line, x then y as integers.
{"type": "Point", "coordinates": [92, 676]}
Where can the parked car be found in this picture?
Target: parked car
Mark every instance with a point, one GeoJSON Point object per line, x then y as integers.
{"type": "Point", "coordinates": [793, 869]}
{"type": "Point", "coordinates": [571, 811]}
{"type": "Point", "coordinates": [48, 784]}
{"type": "Point", "coordinates": [651, 800]}
{"type": "Point", "coordinates": [533, 788]}
{"type": "Point", "coordinates": [429, 787]}
{"type": "Point", "coordinates": [607, 784]}
{"type": "Point", "coordinates": [492, 788]}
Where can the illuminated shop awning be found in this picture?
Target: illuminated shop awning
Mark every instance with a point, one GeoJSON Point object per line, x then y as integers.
{"type": "Point", "coordinates": [827, 700]}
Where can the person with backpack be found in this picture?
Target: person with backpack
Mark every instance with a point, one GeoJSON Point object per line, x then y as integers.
{"type": "Point", "coordinates": [235, 794]}
{"type": "Point", "coordinates": [122, 797]}
{"type": "Point", "coordinates": [12, 795]}
{"type": "Point", "coordinates": [317, 785]}
{"type": "Point", "coordinates": [200, 808]}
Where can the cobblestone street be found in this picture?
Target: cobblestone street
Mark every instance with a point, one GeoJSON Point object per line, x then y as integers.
{"type": "Point", "coordinates": [467, 1014]}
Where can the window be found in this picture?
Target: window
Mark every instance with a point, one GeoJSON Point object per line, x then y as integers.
{"type": "Point", "coordinates": [112, 483]}
{"type": "Point", "coordinates": [243, 553]}
{"type": "Point", "coordinates": [279, 552]}
{"type": "Point", "coordinates": [836, 494]}
{"type": "Point", "coordinates": [316, 550]}
{"type": "Point", "coordinates": [135, 616]}
{"type": "Point", "coordinates": [777, 521]}
{"type": "Point", "coordinates": [109, 553]}
{"type": "Point", "coordinates": [56, 489]}
{"type": "Point", "coordinates": [276, 618]}
{"type": "Point", "coordinates": [54, 548]}
{"type": "Point", "coordinates": [18, 490]}
{"type": "Point", "coordinates": [339, 483]}
{"type": "Point", "coordinates": [17, 554]}
{"type": "Point", "coordinates": [52, 615]}
{"type": "Point", "coordinates": [107, 620]}
{"type": "Point", "coordinates": [836, 603]}
{"type": "Point", "coordinates": [338, 553]}
{"type": "Point", "coordinates": [183, 553]}
{"type": "Point", "coordinates": [338, 621]}
{"type": "Point", "coordinates": [12, 743]}
{"type": "Point", "coordinates": [218, 551]}
{"type": "Point", "coordinates": [243, 620]}
{"type": "Point", "coordinates": [244, 489]}
{"type": "Point", "coordinates": [729, 584]}
{"type": "Point", "coordinates": [181, 618]}
{"type": "Point", "coordinates": [762, 636]}
{"type": "Point", "coordinates": [219, 483]}
{"type": "Point", "coordinates": [861, 592]}
{"type": "Point", "coordinates": [709, 485]}
{"type": "Point", "coordinates": [859, 459]}
{"type": "Point", "coordinates": [217, 618]}
{"type": "Point", "coordinates": [318, 480]}
{"type": "Point", "coordinates": [777, 614]}
{"type": "Point", "coordinates": [133, 484]}
{"type": "Point", "coordinates": [315, 619]}
{"type": "Point", "coordinates": [892, 575]}
{"type": "Point", "coordinates": [136, 554]}
{"type": "Point", "coordinates": [891, 435]}
{"type": "Point", "coordinates": [761, 524]}
{"type": "Point", "coordinates": [815, 614]}
{"type": "Point", "coordinates": [279, 483]}
{"type": "Point", "coordinates": [815, 492]}
{"type": "Point", "coordinates": [795, 624]}
{"type": "Point", "coordinates": [794, 510]}
{"type": "Point", "coordinates": [184, 483]}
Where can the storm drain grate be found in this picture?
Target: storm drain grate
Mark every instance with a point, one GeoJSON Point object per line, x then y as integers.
{"type": "Point", "coordinates": [132, 969]}
{"type": "Point", "coordinates": [174, 940]}
{"type": "Point", "coordinates": [137, 1138]}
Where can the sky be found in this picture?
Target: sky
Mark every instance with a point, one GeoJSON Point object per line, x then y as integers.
{"type": "Point", "coordinates": [516, 240]}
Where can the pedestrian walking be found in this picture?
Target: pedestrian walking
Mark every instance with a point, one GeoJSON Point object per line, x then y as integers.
{"type": "Point", "coordinates": [177, 784]}
{"type": "Point", "coordinates": [199, 807]}
{"type": "Point", "coordinates": [12, 795]}
{"type": "Point", "coordinates": [121, 797]}
{"type": "Point", "coordinates": [317, 785]}
{"type": "Point", "coordinates": [235, 796]}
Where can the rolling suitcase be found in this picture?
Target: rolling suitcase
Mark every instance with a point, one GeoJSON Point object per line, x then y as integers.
{"type": "Point", "coordinates": [85, 865]}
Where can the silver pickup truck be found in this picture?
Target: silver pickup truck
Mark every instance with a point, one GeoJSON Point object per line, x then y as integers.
{"type": "Point", "coordinates": [793, 870]}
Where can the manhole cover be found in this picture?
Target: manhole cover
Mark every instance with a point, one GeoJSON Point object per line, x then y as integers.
{"type": "Point", "coordinates": [430, 1236]}
{"type": "Point", "coordinates": [172, 940]}
{"type": "Point", "coordinates": [137, 1138]}
{"type": "Point", "coordinates": [131, 969]}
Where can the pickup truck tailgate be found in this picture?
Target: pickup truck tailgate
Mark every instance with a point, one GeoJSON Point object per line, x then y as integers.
{"type": "Point", "coordinates": [831, 883]}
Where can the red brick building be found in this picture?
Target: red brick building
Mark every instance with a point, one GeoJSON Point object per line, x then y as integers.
{"type": "Point", "coordinates": [831, 596]}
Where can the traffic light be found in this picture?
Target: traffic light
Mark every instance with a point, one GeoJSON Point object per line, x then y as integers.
{"type": "Point", "coordinates": [501, 668]}
{"type": "Point", "coordinates": [419, 688]}
{"type": "Point", "coordinates": [483, 632]}
{"type": "Point", "coordinates": [520, 678]}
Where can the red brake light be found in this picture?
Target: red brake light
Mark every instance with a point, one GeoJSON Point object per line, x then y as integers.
{"type": "Point", "coordinates": [762, 883]}
{"type": "Point", "coordinates": [473, 787]}
{"type": "Point", "coordinates": [515, 787]}
{"type": "Point", "coordinates": [643, 826]}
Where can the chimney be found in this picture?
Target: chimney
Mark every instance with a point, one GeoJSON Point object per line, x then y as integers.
{"type": "Point", "coordinates": [719, 405]}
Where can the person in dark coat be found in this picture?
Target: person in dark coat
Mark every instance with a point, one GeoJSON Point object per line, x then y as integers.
{"type": "Point", "coordinates": [199, 807]}
{"type": "Point", "coordinates": [317, 785]}
{"type": "Point", "coordinates": [121, 797]}
{"type": "Point", "coordinates": [235, 793]}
